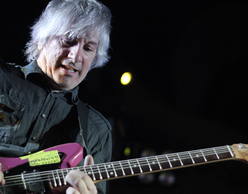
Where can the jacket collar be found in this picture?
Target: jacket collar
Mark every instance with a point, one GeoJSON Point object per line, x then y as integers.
{"type": "Point", "coordinates": [33, 73]}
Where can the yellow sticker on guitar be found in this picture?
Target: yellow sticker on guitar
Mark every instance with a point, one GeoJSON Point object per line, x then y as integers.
{"type": "Point", "coordinates": [31, 155]}
{"type": "Point", "coordinates": [43, 158]}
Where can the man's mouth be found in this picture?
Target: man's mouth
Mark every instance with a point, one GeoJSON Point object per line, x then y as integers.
{"type": "Point", "coordinates": [69, 68]}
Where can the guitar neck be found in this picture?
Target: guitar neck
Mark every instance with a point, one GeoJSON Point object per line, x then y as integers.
{"type": "Point", "coordinates": [132, 167]}
{"type": "Point", "coordinates": [119, 169]}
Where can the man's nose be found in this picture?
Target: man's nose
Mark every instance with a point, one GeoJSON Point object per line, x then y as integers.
{"type": "Point", "coordinates": [76, 53]}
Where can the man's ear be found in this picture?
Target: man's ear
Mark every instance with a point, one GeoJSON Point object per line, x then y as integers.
{"type": "Point", "coordinates": [40, 46]}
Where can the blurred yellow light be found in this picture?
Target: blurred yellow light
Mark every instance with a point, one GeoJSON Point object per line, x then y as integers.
{"type": "Point", "coordinates": [126, 78]}
{"type": "Point", "coordinates": [127, 151]}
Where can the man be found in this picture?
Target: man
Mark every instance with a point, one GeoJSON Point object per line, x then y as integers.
{"type": "Point", "coordinates": [39, 105]}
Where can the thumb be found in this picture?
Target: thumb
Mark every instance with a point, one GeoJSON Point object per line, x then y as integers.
{"type": "Point", "coordinates": [88, 160]}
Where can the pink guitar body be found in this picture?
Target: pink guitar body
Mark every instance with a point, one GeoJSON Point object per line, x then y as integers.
{"type": "Point", "coordinates": [73, 155]}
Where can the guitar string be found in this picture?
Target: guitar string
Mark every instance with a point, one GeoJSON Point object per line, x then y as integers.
{"type": "Point", "coordinates": [142, 162]}
{"type": "Point", "coordinates": [124, 166]}
{"type": "Point", "coordinates": [62, 178]}
{"type": "Point", "coordinates": [150, 158]}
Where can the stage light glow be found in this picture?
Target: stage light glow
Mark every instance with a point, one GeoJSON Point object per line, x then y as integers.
{"type": "Point", "coordinates": [126, 78]}
{"type": "Point", "coordinates": [127, 151]}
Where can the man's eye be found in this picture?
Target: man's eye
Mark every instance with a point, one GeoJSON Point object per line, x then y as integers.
{"type": "Point", "coordinates": [87, 48]}
{"type": "Point", "coordinates": [68, 42]}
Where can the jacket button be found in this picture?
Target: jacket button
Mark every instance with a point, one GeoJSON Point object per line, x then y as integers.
{"type": "Point", "coordinates": [34, 138]}
{"type": "Point", "coordinates": [43, 116]}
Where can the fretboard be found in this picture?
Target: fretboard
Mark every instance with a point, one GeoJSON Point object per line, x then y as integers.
{"type": "Point", "coordinates": [151, 164]}
{"type": "Point", "coordinates": [125, 168]}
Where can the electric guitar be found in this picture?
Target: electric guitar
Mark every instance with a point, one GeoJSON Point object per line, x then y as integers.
{"type": "Point", "coordinates": [35, 173]}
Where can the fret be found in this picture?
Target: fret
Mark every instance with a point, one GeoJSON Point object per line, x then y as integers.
{"type": "Point", "coordinates": [135, 166]}
{"type": "Point", "coordinates": [210, 154]}
{"type": "Point", "coordinates": [225, 152]}
{"type": "Point", "coordinates": [230, 151]}
{"type": "Point", "coordinates": [63, 176]}
{"type": "Point", "coordinates": [180, 160]}
{"type": "Point", "coordinates": [197, 156]}
{"type": "Point", "coordinates": [154, 163]}
{"type": "Point", "coordinates": [102, 171]}
{"type": "Point", "coordinates": [174, 160]}
{"type": "Point", "coordinates": [191, 158]}
{"type": "Point", "coordinates": [54, 181]}
{"type": "Point", "coordinates": [203, 156]}
{"type": "Point", "coordinates": [111, 171]}
{"type": "Point", "coordinates": [185, 158]}
{"type": "Point", "coordinates": [58, 179]}
{"type": "Point", "coordinates": [92, 173]}
{"type": "Point", "coordinates": [130, 167]}
{"type": "Point", "coordinates": [118, 169]}
{"type": "Point", "coordinates": [23, 180]}
{"type": "Point", "coordinates": [164, 162]}
{"type": "Point", "coordinates": [216, 154]}
{"type": "Point", "coordinates": [125, 165]}
{"type": "Point", "coordinates": [123, 172]}
{"type": "Point", "coordinates": [96, 172]}
{"type": "Point", "coordinates": [87, 170]}
{"type": "Point", "coordinates": [169, 161]}
{"type": "Point", "coordinates": [114, 170]}
{"type": "Point", "coordinates": [160, 167]}
{"type": "Point", "coordinates": [149, 166]}
{"type": "Point", "coordinates": [106, 170]}
{"type": "Point", "coordinates": [141, 171]}
{"type": "Point", "coordinates": [144, 165]}
{"type": "Point", "coordinates": [98, 169]}
{"type": "Point", "coordinates": [50, 184]}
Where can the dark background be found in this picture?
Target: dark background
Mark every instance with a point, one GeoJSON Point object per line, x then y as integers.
{"type": "Point", "coordinates": [189, 89]}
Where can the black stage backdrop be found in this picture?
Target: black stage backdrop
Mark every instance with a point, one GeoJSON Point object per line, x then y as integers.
{"type": "Point", "coordinates": [189, 90]}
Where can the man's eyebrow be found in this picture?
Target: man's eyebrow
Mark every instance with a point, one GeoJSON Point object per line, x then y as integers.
{"type": "Point", "coordinates": [92, 42]}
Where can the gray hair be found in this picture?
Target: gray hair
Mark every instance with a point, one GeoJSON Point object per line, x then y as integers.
{"type": "Point", "coordinates": [72, 18]}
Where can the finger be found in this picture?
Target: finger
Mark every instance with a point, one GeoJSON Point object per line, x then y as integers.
{"type": "Point", "coordinates": [71, 190]}
{"type": "Point", "coordinates": [88, 160]}
{"type": "Point", "coordinates": [74, 180]}
{"type": "Point", "coordinates": [81, 181]}
{"type": "Point", "coordinates": [2, 181]}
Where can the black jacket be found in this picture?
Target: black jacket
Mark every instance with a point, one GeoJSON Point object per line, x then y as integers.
{"type": "Point", "coordinates": [33, 118]}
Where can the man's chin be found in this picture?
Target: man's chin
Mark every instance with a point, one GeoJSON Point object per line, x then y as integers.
{"type": "Point", "coordinates": [61, 86]}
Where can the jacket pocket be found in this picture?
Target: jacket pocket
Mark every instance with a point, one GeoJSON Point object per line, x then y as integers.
{"type": "Point", "coordinates": [11, 114]}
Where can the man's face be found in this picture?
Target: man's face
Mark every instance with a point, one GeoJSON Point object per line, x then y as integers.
{"type": "Point", "coordinates": [67, 61]}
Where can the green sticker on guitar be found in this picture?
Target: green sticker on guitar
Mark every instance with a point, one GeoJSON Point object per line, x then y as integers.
{"type": "Point", "coordinates": [43, 158]}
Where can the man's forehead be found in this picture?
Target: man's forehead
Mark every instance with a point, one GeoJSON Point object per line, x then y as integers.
{"type": "Point", "coordinates": [92, 39]}
{"type": "Point", "coordinates": [86, 37]}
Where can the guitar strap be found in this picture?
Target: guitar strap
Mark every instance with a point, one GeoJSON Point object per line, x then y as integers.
{"type": "Point", "coordinates": [83, 111]}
